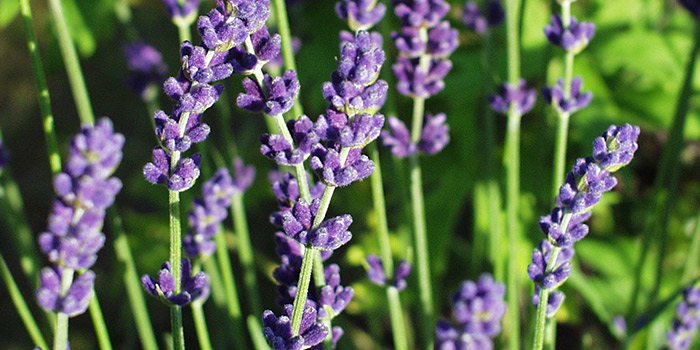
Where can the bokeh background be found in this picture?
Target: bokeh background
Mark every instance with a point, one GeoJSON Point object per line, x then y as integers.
{"type": "Point", "coordinates": [635, 67]}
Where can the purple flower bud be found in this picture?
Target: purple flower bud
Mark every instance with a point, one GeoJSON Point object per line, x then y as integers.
{"type": "Point", "coordinates": [230, 23]}
{"type": "Point", "coordinates": [168, 131]}
{"type": "Point", "coordinates": [537, 270]}
{"type": "Point", "coordinates": [577, 100]}
{"type": "Point", "coordinates": [479, 307]}
{"type": "Point", "coordinates": [442, 40]}
{"type": "Point", "coordinates": [556, 298]}
{"type": "Point", "coordinates": [522, 98]}
{"type": "Point", "coordinates": [421, 13]}
{"type": "Point", "coordinates": [376, 274]}
{"type": "Point", "coordinates": [574, 39]}
{"type": "Point", "coordinates": [286, 189]}
{"type": "Point", "coordinates": [616, 147]}
{"type": "Point", "coordinates": [333, 295]}
{"type": "Point", "coordinates": [198, 99]}
{"type": "Point", "coordinates": [693, 6]}
{"type": "Point", "coordinates": [74, 302]}
{"type": "Point", "coordinates": [398, 138]}
{"type": "Point", "coordinates": [360, 14]}
{"type": "Point", "coordinates": [447, 337]}
{"type": "Point", "coordinates": [191, 287]}
{"type": "Point", "coordinates": [218, 190]}
{"type": "Point", "coordinates": [95, 151]}
{"type": "Point", "coordinates": [687, 320]}
{"type": "Point", "coordinates": [435, 135]}
{"type": "Point", "coordinates": [358, 132]}
{"type": "Point", "coordinates": [147, 69]}
{"type": "Point", "coordinates": [478, 22]}
{"type": "Point", "coordinates": [584, 186]}
{"type": "Point", "coordinates": [412, 81]}
{"type": "Point", "coordinates": [326, 163]}
{"type": "Point", "coordinates": [266, 47]}
{"type": "Point", "coordinates": [278, 331]}
{"type": "Point", "coordinates": [187, 9]}
{"type": "Point", "coordinates": [575, 230]}
{"type": "Point", "coordinates": [331, 234]}
{"type": "Point", "coordinates": [282, 93]}
{"type": "Point", "coordinates": [180, 179]}
{"type": "Point", "coordinates": [243, 175]}
{"type": "Point", "coordinates": [409, 42]}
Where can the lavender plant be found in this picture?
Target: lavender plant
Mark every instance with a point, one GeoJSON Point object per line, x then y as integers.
{"type": "Point", "coordinates": [685, 325]}
{"type": "Point", "coordinates": [481, 21]}
{"type": "Point", "coordinates": [585, 185]}
{"type": "Point", "coordinates": [84, 191]}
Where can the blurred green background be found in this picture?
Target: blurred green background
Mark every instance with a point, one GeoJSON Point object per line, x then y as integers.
{"type": "Point", "coordinates": [635, 67]}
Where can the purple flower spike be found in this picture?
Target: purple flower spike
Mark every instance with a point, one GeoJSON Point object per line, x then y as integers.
{"type": "Point", "coordinates": [230, 23]}
{"type": "Point", "coordinates": [540, 258]}
{"type": "Point", "coordinates": [574, 39]}
{"type": "Point", "coordinates": [577, 101]}
{"type": "Point", "coordinates": [556, 298]}
{"type": "Point", "coordinates": [147, 69]}
{"type": "Point", "coordinates": [182, 178]}
{"type": "Point", "coordinates": [479, 307]}
{"type": "Point", "coordinates": [191, 287]}
{"type": "Point", "coordinates": [360, 14]}
{"type": "Point", "coordinates": [76, 300]}
{"type": "Point", "coordinates": [480, 23]}
{"type": "Point", "coordinates": [377, 276]}
{"type": "Point", "coordinates": [331, 234]}
{"type": "Point", "coordinates": [412, 81]}
{"type": "Point", "coordinates": [182, 12]}
{"type": "Point", "coordinates": [693, 6]}
{"type": "Point", "coordinates": [616, 147]}
{"type": "Point", "coordinates": [243, 175]}
{"type": "Point", "coordinates": [442, 40]}
{"type": "Point", "coordinates": [168, 131]}
{"type": "Point", "coordinates": [398, 138]}
{"type": "Point", "coordinates": [326, 163]}
{"type": "Point", "coordinates": [447, 337]}
{"type": "Point", "coordinates": [282, 92]}
{"type": "Point", "coordinates": [522, 98]}
{"type": "Point", "coordinates": [687, 320]}
{"type": "Point", "coordinates": [421, 13]}
{"type": "Point", "coordinates": [435, 135]}
{"type": "Point", "coordinates": [278, 331]}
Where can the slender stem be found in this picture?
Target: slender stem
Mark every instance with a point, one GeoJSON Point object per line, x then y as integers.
{"type": "Point", "coordinates": [22, 309]}
{"type": "Point", "coordinates": [41, 87]}
{"type": "Point", "coordinates": [175, 267]}
{"type": "Point", "coordinates": [380, 212]}
{"type": "Point", "coordinates": [218, 292]}
{"type": "Point", "coordinates": [134, 290]}
{"type": "Point", "coordinates": [70, 59]}
{"type": "Point", "coordinates": [287, 50]}
{"type": "Point", "coordinates": [550, 334]}
{"type": "Point", "coordinates": [398, 326]}
{"type": "Point", "coordinates": [232, 300]}
{"type": "Point", "coordinates": [183, 31]}
{"type": "Point", "coordinates": [692, 261]}
{"type": "Point", "coordinates": [302, 179]}
{"type": "Point", "coordinates": [560, 153]}
{"type": "Point", "coordinates": [99, 324]}
{"type": "Point", "coordinates": [245, 252]}
{"type": "Point", "coordinates": [302, 289]}
{"type": "Point", "coordinates": [60, 340]}
{"type": "Point", "coordinates": [256, 332]}
{"type": "Point", "coordinates": [200, 325]}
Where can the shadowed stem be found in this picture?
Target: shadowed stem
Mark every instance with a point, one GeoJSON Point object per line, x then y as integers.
{"type": "Point", "coordinates": [98, 323]}
{"type": "Point", "coordinates": [512, 163]}
{"type": "Point", "coordinates": [200, 322]}
{"type": "Point", "coordinates": [22, 309]}
{"type": "Point", "coordinates": [70, 59]}
{"type": "Point", "coordinates": [232, 300]}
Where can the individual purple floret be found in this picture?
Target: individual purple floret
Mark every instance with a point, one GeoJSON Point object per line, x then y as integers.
{"type": "Point", "coordinates": [185, 11]}
{"type": "Point", "coordinates": [480, 23]}
{"type": "Point", "coordinates": [420, 13]}
{"type": "Point", "coordinates": [435, 134]}
{"type": "Point", "coordinates": [280, 96]}
{"type": "Point", "coordinates": [168, 131]}
{"type": "Point", "coordinates": [577, 100]}
{"type": "Point", "coordinates": [84, 191]}
{"type": "Point", "coordinates": [687, 320]}
{"type": "Point", "coordinates": [693, 6]}
{"type": "Point", "coordinates": [616, 147]}
{"type": "Point", "coordinates": [556, 298]}
{"type": "Point", "coordinates": [377, 275]}
{"type": "Point", "coordinates": [360, 14]}
{"type": "Point", "coordinates": [326, 163]}
{"type": "Point", "coordinates": [147, 69]}
{"type": "Point", "coordinates": [358, 132]}
{"type": "Point", "coordinates": [191, 287]}
{"type": "Point", "coordinates": [74, 302]}
{"type": "Point", "coordinates": [574, 39]}
{"type": "Point", "coordinates": [537, 270]}
{"type": "Point", "coordinates": [286, 189]}
{"type": "Point", "coordinates": [447, 337]}
{"type": "Point", "coordinates": [180, 179]}
{"type": "Point", "coordinates": [278, 331]}
{"type": "Point", "coordinates": [412, 81]}
{"type": "Point", "coordinates": [575, 230]}
{"type": "Point", "coordinates": [231, 22]}
{"type": "Point", "coordinates": [277, 148]}
{"type": "Point", "coordinates": [522, 98]}
{"type": "Point", "coordinates": [297, 224]}
{"type": "Point", "coordinates": [398, 138]}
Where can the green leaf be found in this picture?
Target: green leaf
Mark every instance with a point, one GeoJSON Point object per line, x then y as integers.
{"type": "Point", "coordinates": [9, 9]}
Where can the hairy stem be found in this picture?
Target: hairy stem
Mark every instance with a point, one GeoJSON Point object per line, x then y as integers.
{"type": "Point", "coordinates": [302, 288]}
{"type": "Point", "coordinates": [175, 268]}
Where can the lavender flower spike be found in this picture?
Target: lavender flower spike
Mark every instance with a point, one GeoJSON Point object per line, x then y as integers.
{"type": "Point", "coordinates": [687, 320]}
{"type": "Point", "coordinates": [147, 69]}
{"type": "Point", "coordinates": [278, 331]}
{"type": "Point", "coordinates": [520, 97]}
{"type": "Point", "coordinates": [398, 138]}
{"type": "Point", "coordinates": [75, 302]}
{"type": "Point", "coordinates": [577, 101]}
{"type": "Point", "coordinates": [191, 287]}
{"type": "Point", "coordinates": [360, 14]}
{"type": "Point", "coordinates": [185, 12]}
{"type": "Point", "coordinates": [326, 163]}
{"type": "Point", "coordinates": [474, 19]}
{"type": "Point", "coordinates": [376, 274]}
{"type": "Point", "coordinates": [574, 39]}
{"type": "Point", "coordinates": [435, 134]}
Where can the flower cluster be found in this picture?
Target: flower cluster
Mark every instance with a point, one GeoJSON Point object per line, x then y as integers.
{"type": "Point", "coordinates": [147, 69]}
{"type": "Point", "coordinates": [212, 208]}
{"type": "Point", "coordinates": [687, 320]}
{"type": "Point", "coordinates": [378, 276]}
{"type": "Point", "coordinates": [556, 96]}
{"type": "Point", "coordinates": [165, 288]}
{"type": "Point", "coordinates": [181, 11]}
{"type": "Point", "coordinates": [572, 38]}
{"type": "Point", "coordinates": [435, 135]}
{"type": "Point", "coordinates": [519, 97]}
{"type": "Point", "coordinates": [583, 188]}
{"type": "Point", "coordinates": [693, 6]}
{"type": "Point", "coordinates": [474, 19]}
{"type": "Point", "coordinates": [84, 191]}
{"type": "Point", "coordinates": [478, 309]}
{"type": "Point", "coordinates": [360, 14]}
{"type": "Point", "coordinates": [225, 31]}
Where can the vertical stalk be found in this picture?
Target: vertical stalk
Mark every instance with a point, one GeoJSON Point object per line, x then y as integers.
{"type": "Point", "coordinates": [60, 340]}
{"type": "Point", "coordinates": [398, 326]}
{"type": "Point", "coordinates": [183, 32]}
{"type": "Point", "coordinates": [245, 251]}
{"type": "Point", "coordinates": [175, 268]}
{"type": "Point", "coordinates": [70, 59]}
{"type": "Point", "coordinates": [22, 309]}
{"type": "Point", "coordinates": [302, 289]}
{"type": "Point", "coordinates": [218, 294]}
{"type": "Point", "coordinates": [287, 50]}
{"type": "Point", "coordinates": [200, 325]}
{"type": "Point", "coordinates": [513, 174]}
{"type": "Point", "coordinates": [234, 306]}
{"type": "Point", "coordinates": [98, 323]}
{"type": "Point", "coordinates": [692, 261]}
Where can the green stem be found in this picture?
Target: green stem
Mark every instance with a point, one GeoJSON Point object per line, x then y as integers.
{"type": "Point", "coordinates": [513, 174]}
{"type": "Point", "coordinates": [550, 334]}
{"type": "Point", "coordinates": [200, 325]}
{"type": "Point", "coordinates": [218, 293]}
{"type": "Point", "coordinates": [256, 332]}
{"type": "Point", "coordinates": [175, 268]}
{"type": "Point", "coordinates": [42, 88]}
{"type": "Point", "coordinates": [60, 340]}
{"type": "Point", "coordinates": [560, 152]}
{"type": "Point", "coordinates": [690, 270]}
{"type": "Point", "coordinates": [245, 252]}
{"type": "Point", "coordinates": [134, 290]}
{"type": "Point", "coordinates": [232, 300]}
{"type": "Point", "coordinates": [398, 326]}
{"type": "Point", "coordinates": [380, 212]}
{"type": "Point", "coordinates": [22, 309]}
{"type": "Point", "coordinates": [287, 50]}
{"type": "Point", "coordinates": [302, 288]}
{"type": "Point", "coordinates": [183, 31]}
{"type": "Point", "coordinates": [665, 184]}
{"type": "Point", "coordinates": [99, 324]}
{"type": "Point", "coordinates": [70, 59]}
